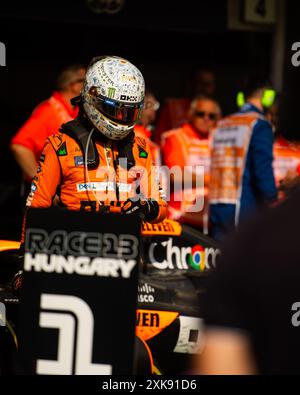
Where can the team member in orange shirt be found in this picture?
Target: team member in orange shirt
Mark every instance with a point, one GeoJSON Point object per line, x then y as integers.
{"type": "Point", "coordinates": [189, 146]}
{"type": "Point", "coordinates": [286, 162]}
{"type": "Point", "coordinates": [96, 161]}
{"type": "Point", "coordinates": [286, 155]}
{"type": "Point", "coordinates": [28, 143]}
{"type": "Point", "coordinates": [174, 112]}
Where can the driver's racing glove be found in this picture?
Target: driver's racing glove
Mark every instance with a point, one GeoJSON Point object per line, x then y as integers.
{"type": "Point", "coordinates": [148, 209]}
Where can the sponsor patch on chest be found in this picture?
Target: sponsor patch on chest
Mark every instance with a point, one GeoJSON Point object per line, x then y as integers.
{"type": "Point", "coordinates": [78, 160]}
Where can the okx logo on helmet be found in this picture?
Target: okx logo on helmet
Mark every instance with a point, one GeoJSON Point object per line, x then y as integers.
{"type": "Point", "coordinates": [113, 96]}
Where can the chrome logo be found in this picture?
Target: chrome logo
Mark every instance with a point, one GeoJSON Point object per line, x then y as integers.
{"type": "Point", "coordinates": [196, 258]}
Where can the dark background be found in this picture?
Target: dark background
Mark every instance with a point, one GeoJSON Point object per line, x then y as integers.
{"type": "Point", "coordinates": [166, 39]}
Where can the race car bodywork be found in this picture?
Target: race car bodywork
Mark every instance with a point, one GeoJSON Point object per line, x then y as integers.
{"type": "Point", "coordinates": [175, 264]}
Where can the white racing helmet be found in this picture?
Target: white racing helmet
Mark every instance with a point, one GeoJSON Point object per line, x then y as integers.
{"type": "Point", "coordinates": [113, 96]}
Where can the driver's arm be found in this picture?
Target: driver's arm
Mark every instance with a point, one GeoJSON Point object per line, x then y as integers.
{"type": "Point", "coordinates": [46, 180]}
{"type": "Point", "coordinates": [151, 189]}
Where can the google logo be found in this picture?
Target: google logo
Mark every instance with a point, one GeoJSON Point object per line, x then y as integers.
{"type": "Point", "coordinates": [196, 258]}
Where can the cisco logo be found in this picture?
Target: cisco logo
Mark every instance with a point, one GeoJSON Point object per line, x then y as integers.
{"type": "Point", "coordinates": [146, 294]}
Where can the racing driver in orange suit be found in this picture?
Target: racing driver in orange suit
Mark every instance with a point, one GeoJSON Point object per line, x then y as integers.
{"type": "Point", "coordinates": [96, 162]}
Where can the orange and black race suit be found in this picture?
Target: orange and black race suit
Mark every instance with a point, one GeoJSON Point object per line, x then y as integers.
{"type": "Point", "coordinates": [142, 131]}
{"type": "Point", "coordinates": [62, 165]}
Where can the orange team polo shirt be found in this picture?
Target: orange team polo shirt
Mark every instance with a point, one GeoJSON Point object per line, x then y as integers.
{"type": "Point", "coordinates": [286, 158]}
{"type": "Point", "coordinates": [45, 120]}
{"type": "Point", "coordinates": [184, 147]}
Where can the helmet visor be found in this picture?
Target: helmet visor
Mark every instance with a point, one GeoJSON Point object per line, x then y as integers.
{"type": "Point", "coordinates": [122, 113]}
